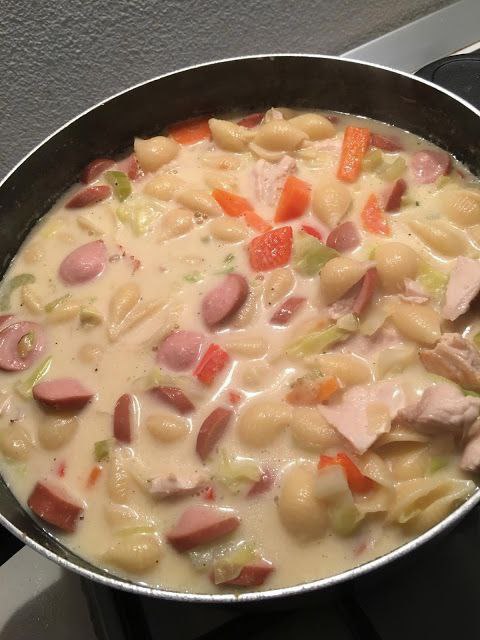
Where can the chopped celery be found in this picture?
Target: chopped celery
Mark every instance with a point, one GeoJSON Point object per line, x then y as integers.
{"type": "Point", "coordinates": [372, 252]}
{"type": "Point", "coordinates": [54, 304]}
{"type": "Point", "coordinates": [476, 340]}
{"type": "Point", "coordinates": [9, 287]}
{"type": "Point", "coordinates": [344, 517]}
{"type": "Point", "coordinates": [24, 388]}
{"type": "Point", "coordinates": [309, 254]}
{"type": "Point", "coordinates": [348, 322]}
{"type": "Point", "coordinates": [90, 317]}
{"type": "Point", "coordinates": [467, 392]}
{"type": "Point", "coordinates": [227, 269]}
{"type": "Point", "coordinates": [120, 183]}
{"type": "Point", "coordinates": [101, 450]}
{"type": "Point", "coordinates": [393, 170]}
{"type": "Point", "coordinates": [435, 282]}
{"type": "Point", "coordinates": [228, 566]}
{"type": "Point", "coordinates": [372, 160]}
{"type": "Point", "coordinates": [316, 342]}
{"type": "Point", "coordinates": [394, 360]}
{"type": "Point", "coordinates": [140, 212]}
{"type": "Point", "coordinates": [437, 463]}
{"type": "Point", "coordinates": [26, 344]}
{"type": "Point", "coordinates": [229, 258]}
{"type": "Point", "coordinates": [194, 276]}
{"type": "Point", "coordinates": [235, 472]}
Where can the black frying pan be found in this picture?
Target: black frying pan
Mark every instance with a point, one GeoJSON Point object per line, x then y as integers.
{"type": "Point", "coordinates": [243, 84]}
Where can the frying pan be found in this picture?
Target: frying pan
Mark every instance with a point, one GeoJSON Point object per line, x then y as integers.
{"type": "Point", "coordinates": [241, 84]}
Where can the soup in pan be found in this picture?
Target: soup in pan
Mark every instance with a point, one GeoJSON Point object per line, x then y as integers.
{"type": "Point", "coordinates": [247, 355]}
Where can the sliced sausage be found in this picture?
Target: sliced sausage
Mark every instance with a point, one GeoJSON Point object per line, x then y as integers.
{"type": "Point", "coordinates": [263, 485]}
{"type": "Point", "coordinates": [171, 486]}
{"type": "Point", "coordinates": [180, 350]}
{"type": "Point", "coordinates": [62, 393]}
{"type": "Point", "coordinates": [252, 120]}
{"type": "Point", "coordinates": [385, 143]}
{"type": "Point", "coordinates": [200, 525]}
{"type": "Point", "coordinates": [55, 506]}
{"type": "Point", "coordinates": [212, 430]}
{"type": "Point", "coordinates": [224, 300]}
{"type": "Point", "coordinates": [174, 397]}
{"type": "Point", "coordinates": [130, 166]}
{"type": "Point", "coordinates": [89, 196]}
{"type": "Point", "coordinates": [427, 166]}
{"type": "Point", "coordinates": [392, 196]}
{"type": "Point", "coordinates": [10, 336]}
{"type": "Point", "coordinates": [95, 168]}
{"type": "Point", "coordinates": [251, 575]}
{"type": "Point", "coordinates": [84, 263]}
{"type": "Point", "coordinates": [344, 237]}
{"type": "Point", "coordinates": [124, 417]}
{"type": "Point", "coordinates": [364, 296]}
{"type": "Point", "coordinates": [287, 310]}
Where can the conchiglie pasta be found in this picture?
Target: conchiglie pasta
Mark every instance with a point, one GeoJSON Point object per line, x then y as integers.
{"type": "Point", "coordinates": [421, 503]}
{"type": "Point", "coordinates": [135, 552]}
{"type": "Point", "coordinates": [220, 180]}
{"type": "Point", "coordinates": [199, 201]}
{"type": "Point", "coordinates": [167, 427]}
{"type": "Point", "coordinates": [121, 516]}
{"type": "Point", "coordinates": [175, 223]}
{"type": "Point", "coordinates": [255, 376]}
{"type": "Point", "coordinates": [311, 431]}
{"type": "Point", "coordinates": [247, 312]}
{"type": "Point", "coordinates": [228, 135]}
{"type": "Point", "coordinates": [279, 135]}
{"type": "Point", "coordinates": [260, 423]}
{"type": "Point", "coordinates": [316, 127]}
{"type": "Point", "coordinates": [461, 206]}
{"type": "Point", "coordinates": [300, 512]}
{"type": "Point", "coordinates": [338, 276]}
{"type": "Point", "coordinates": [331, 202]}
{"type": "Point", "coordinates": [56, 431]}
{"type": "Point", "coordinates": [440, 236]}
{"type": "Point", "coordinates": [407, 460]}
{"type": "Point", "coordinates": [118, 480]}
{"type": "Point", "coordinates": [247, 346]}
{"type": "Point", "coordinates": [278, 283]}
{"type": "Point", "coordinates": [382, 496]}
{"type": "Point", "coordinates": [395, 261]}
{"type": "Point", "coordinates": [418, 322]}
{"type": "Point", "coordinates": [349, 369]}
{"type": "Point", "coordinates": [228, 229]}
{"type": "Point", "coordinates": [164, 187]}
{"type": "Point", "coordinates": [153, 153]}
{"type": "Point", "coordinates": [221, 161]}
{"type": "Point", "coordinates": [16, 442]}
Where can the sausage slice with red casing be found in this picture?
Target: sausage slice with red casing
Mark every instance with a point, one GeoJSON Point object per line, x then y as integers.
{"type": "Point", "coordinates": [62, 393]}
{"type": "Point", "coordinates": [10, 336]}
{"type": "Point", "coordinates": [200, 525]}
{"type": "Point", "coordinates": [251, 575]}
{"type": "Point", "coordinates": [84, 263]}
{"type": "Point", "coordinates": [55, 506]}
{"type": "Point", "coordinates": [224, 300]}
{"type": "Point", "coordinates": [89, 196]}
{"type": "Point", "coordinates": [124, 417]}
{"type": "Point", "coordinates": [174, 397]}
{"type": "Point", "coordinates": [180, 350]}
{"type": "Point", "coordinates": [212, 430]}
{"type": "Point", "coordinates": [392, 196]}
{"type": "Point", "coordinates": [287, 310]}
{"type": "Point", "coordinates": [95, 168]}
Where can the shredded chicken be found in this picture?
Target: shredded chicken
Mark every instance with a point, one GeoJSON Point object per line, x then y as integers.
{"type": "Point", "coordinates": [414, 292]}
{"type": "Point", "coordinates": [170, 486]}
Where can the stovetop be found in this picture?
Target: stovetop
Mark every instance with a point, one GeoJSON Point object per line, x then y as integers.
{"type": "Point", "coordinates": [431, 595]}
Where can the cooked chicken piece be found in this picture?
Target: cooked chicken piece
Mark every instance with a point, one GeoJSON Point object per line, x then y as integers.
{"type": "Point", "coordinates": [269, 178]}
{"type": "Point", "coordinates": [455, 358]}
{"type": "Point", "coordinates": [170, 486]}
{"type": "Point", "coordinates": [442, 408]}
{"type": "Point", "coordinates": [414, 292]}
{"type": "Point", "coordinates": [463, 287]}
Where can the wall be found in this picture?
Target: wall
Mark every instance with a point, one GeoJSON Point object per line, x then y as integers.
{"type": "Point", "coordinates": [58, 58]}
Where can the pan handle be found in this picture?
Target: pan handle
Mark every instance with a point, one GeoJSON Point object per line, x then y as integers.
{"type": "Point", "coordinates": [459, 74]}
